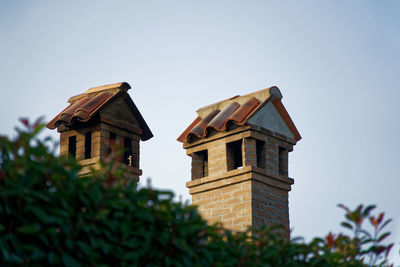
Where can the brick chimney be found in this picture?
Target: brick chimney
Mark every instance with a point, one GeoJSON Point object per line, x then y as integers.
{"type": "Point", "coordinates": [239, 149]}
{"type": "Point", "coordinates": [98, 122]}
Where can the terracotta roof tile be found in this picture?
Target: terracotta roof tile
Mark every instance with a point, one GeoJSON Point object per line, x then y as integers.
{"type": "Point", "coordinates": [238, 110]}
{"type": "Point", "coordinates": [201, 127]}
{"type": "Point", "coordinates": [243, 112]}
{"type": "Point", "coordinates": [87, 108]}
{"type": "Point", "coordinates": [183, 136]}
{"type": "Point", "coordinates": [84, 106]}
{"type": "Point", "coordinates": [82, 109]}
{"type": "Point", "coordinates": [221, 119]}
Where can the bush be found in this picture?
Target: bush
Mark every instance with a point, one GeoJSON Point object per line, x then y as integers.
{"type": "Point", "coordinates": [50, 216]}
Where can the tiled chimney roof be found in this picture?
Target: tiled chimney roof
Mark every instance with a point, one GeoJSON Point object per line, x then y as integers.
{"type": "Point", "coordinates": [84, 106]}
{"type": "Point", "coordinates": [237, 110]}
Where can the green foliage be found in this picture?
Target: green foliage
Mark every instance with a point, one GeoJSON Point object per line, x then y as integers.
{"type": "Point", "coordinates": [365, 245]}
{"type": "Point", "coordinates": [50, 216]}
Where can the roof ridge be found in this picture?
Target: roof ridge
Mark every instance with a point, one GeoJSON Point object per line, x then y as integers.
{"type": "Point", "coordinates": [123, 86]}
{"type": "Point", "coordinates": [261, 95]}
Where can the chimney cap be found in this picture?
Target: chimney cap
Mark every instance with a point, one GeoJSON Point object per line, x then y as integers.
{"type": "Point", "coordinates": [123, 86]}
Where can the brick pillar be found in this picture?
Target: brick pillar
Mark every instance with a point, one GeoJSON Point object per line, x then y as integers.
{"type": "Point", "coordinates": [272, 157]}
{"type": "Point", "coordinates": [217, 164]}
{"type": "Point", "coordinates": [283, 162]}
{"type": "Point", "coordinates": [136, 150]}
{"type": "Point", "coordinates": [249, 152]}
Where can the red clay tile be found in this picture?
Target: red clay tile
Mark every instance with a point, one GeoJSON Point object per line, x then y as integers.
{"type": "Point", "coordinates": [84, 112]}
{"type": "Point", "coordinates": [219, 121]}
{"type": "Point", "coordinates": [238, 114]}
{"type": "Point", "coordinates": [66, 115]}
{"type": "Point", "coordinates": [65, 118]}
{"type": "Point", "coordinates": [241, 114]}
{"type": "Point", "coordinates": [84, 106]}
{"type": "Point", "coordinates": [182, 137]}
{"type": "Point", "coordinates": [200, 128]}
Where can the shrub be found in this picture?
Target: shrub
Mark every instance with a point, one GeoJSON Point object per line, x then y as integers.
{"type": "Point", "coordinates": [50, 216]}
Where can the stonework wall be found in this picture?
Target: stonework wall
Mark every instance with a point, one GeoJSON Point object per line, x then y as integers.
{"type": "Point", "coordinates": [252, 195]}
{"type": "Point", "coordinates": [269, 205]}
{"type": "Point", "coordinates": [230, 205]}
{"type": "Point", "coordinates": [80, 141]}
{"type": "Point", "coordinates": [100, 147]}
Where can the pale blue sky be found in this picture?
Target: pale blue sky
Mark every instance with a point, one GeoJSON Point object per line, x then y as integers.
{"type": "Point", "coordinates": [336, 63]}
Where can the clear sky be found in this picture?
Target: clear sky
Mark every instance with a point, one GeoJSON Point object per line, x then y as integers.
{"type": "Point", "coordinates": [337, 64]}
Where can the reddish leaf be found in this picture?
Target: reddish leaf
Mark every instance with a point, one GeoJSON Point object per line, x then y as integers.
{"type": "Point", "coordinates": [359, 209]}
{"type": "Point", "coordinates": [25, 121]}
{"type": "Point", "coordinates": [373, 221]}
{"type": "Point", "coordinates": [38, 122]}
{"type": "Point", "coordinates": [330, 240]}
{"type": "Point", "coordinates": [344, 207]}
{"type": "Point", "coordinates": [380, 218]}
{"type": "Point", "coordinates": [380, 249]}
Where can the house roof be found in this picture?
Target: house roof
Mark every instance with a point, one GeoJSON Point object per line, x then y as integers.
{"type": "Point", "coordinates": [237, 110]}
{"type": "Point", "coordinates": [84, 106]}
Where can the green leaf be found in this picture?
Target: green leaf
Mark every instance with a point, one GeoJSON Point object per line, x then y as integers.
{"type": "Point", "coordinates": [39, 213]}
{"type": "Point", "coordinates": [367, 210]}
{"type": "Point", "coordinates": [13, 258]}
{"type": "Point", "coordinates": [29, 228]}
{"type": "Point", "coordinates": [37, 255]}
{"type": "Point", "coordinates": [69, 261]}
{"type": "Point", "coordinates": [85, 249]}
{"type": "Point", "coordinates": [102, 214]}
{"type": "Point", "coordinates": [366, 233]}
{"type": "Point", "coordinates": [347, 225]}
{"type": "Point", "coordinates": [383, 236]}
{"type": "Point", "coordinates": [53, 259]}
{"type": "Point", "coordinates": [384, 224]}
{"type": "Point", "coordinates": [69, 243]}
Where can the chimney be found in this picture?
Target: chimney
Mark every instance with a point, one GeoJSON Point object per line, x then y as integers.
{"type": "Point", "coordinates": [99, 122]}
{"type": "Point", "coordinates": [239, 149]}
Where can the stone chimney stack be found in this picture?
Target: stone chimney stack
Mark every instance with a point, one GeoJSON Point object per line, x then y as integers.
{"type": "Point", "coordinates": [239, 149]}
{"type": "Point", "coordinates": [99, 121]}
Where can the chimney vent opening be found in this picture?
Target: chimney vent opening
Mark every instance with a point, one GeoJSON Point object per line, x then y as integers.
{"type": "Point", "coordinates": [234, 155]}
